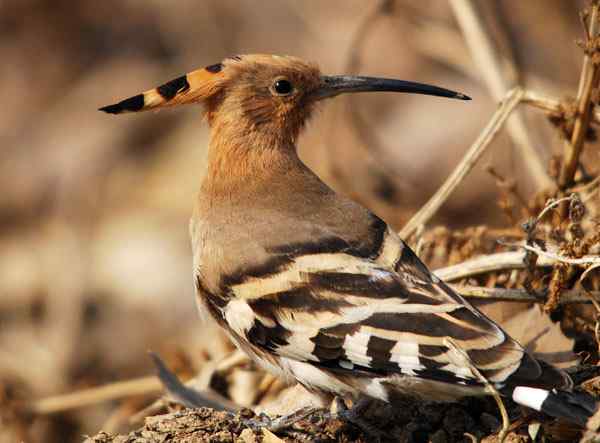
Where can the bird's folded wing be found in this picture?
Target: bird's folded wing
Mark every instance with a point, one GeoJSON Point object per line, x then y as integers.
{"type": "Point", "coordinates": [344, 312]}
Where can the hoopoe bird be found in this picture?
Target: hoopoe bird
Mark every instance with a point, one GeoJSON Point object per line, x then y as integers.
{"type": "Point", "coordinates": [313, 286]}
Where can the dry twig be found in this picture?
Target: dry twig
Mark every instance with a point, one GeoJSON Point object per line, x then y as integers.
{"type": "Point", "coordinates": [485, 56]}
{"type": "Point", "coordinates": [87, 397]}
{"type": "Point", "coordinates": [511, 100]}
{"type": "Point", "coordinates": [551, 204]}
{"type": "Point", "coordinates": [549, 104]}
{"type": "Point", "coordinates": [568, 296]}
{"type": "Point", "coordinates": [466, 361]}
{"type": "Point", "coordinates": [588, 82]}
{"type": "Point", "coordinates": [488, 263]}
{"type": "Point", "coordinates": [585, 260]}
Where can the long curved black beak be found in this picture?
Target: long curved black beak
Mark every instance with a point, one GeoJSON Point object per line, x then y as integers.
{"type": "Point", "coordinates": [332, 85]}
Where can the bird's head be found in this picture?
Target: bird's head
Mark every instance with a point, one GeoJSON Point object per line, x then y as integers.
{"type": "Point", "coordinates": [265, 94]}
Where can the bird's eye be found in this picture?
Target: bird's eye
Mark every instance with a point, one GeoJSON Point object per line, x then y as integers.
{"type": "Point", "coordinates": [282, 87]}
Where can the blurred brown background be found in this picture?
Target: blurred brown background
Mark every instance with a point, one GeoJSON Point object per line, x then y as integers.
{"type": "Point", "coordinates": [95, 265]}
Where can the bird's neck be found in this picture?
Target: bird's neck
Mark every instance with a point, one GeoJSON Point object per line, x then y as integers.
{"type": "Point", "coordinates": [243, 164]}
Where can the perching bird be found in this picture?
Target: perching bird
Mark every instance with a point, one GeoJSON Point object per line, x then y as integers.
{"type": "Point", "coordinates": [314, 286]}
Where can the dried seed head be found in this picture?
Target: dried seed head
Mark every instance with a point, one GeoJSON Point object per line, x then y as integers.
{"type": "Point", "coordinates": [576, 209]}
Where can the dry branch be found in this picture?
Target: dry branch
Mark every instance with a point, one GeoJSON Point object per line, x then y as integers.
{"type": "Point", "coordinates": [568, 296]}
{"type": "Point", "coordinates": [87, 397]}
{"type": "Point", "coordinates": [585, 260]}
{"type": "Point", "coordinates": [550, 104]}
{"type": "Point", "coordinates": [485, 56]}
{"type": "Point", "coordinates": [511, 100]}
{"type": "Point", "coordinates": [486, 263]}
{"type": "Point", "coordinates": [588, 82]}
{"type": "Point", "coordinates": [502, 261]}
{"type": "Point", "coordinates": [509, 103]}
{"type": "Point", "coordinates": [464, 359]}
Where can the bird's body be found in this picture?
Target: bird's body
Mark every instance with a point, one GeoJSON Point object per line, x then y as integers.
{"type": "Point", "coordinates": [314, 286]}
{"type": "Point", "coordinates": [324, 292]}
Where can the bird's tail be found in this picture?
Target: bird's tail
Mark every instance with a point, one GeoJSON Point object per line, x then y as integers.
{"type": "Point", "coordinates": [576, 407]}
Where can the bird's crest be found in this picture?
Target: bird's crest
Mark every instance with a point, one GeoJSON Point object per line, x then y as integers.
{"type": "Point", "coordinates": [192, 87]}
{"type": "Point", "coordinates": [201, 84]}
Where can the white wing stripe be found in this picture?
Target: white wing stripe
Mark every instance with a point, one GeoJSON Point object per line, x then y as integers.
{"type": "Point", "coordinates": [256, 287]}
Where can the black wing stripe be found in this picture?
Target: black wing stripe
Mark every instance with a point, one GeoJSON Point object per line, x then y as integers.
{"type": "Point", "coordinates": [213, 302]}
{"type": "Point", "coordinates": [266, 337]}
{"type": "Point", "coordinates": [471, 320]}
{"type": "Point", "coordinates": [342, 330]}
{"type": "Point", "coordinates": [329, 354]}
{"type": "Point", "coordinates": [497, 355]}
{"type": "Point", "coordinates": [358, 284]}
{"type": "Point", "coordinates": [432, 351]}
{"type": "Point", "coordinates": [323, 340]}
{"type": "Point", "coordinates": [419, 298]}
{"type": "Point", "coordinates": [422, 324]}
{"type": "Point", "coordinates": [410, 262]}
{"type": "Point", "coordinates": [374, 248]}
{"type": "Point", "coordinates": [379, 349]}
{"type": "Point", "coordinates": [301, 299]}
{"type": "Point", "coordinates": [334, 244]}
{"type": "Point", "coordinates": [318, 246]}
{"type": "Point", "coordinates": [446, 377]}
{"type": "Point", "coordinates": [269, 268]}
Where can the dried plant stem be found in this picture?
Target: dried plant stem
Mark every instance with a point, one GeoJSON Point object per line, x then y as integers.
{"type": "Point", "coordinates": [465, 360]}
{"type": "Point", "coordinates": [550, 104]}
{"type": "Point", "coordinates": [588, 188]}
{"type": "Point", "coordinates": [115, 391]}
{"type": "Point", "coordinates": [488, 263]}
{"type": "Point", "coordinates": [589, 80]}
{"type": "Point", "coordinates": [529, 97]}
{"type": "Point", "coordinates": [551, 205]}
{"type": "Point", "coordinates": [466, 164]}
{"type": "Point", "coordinates": [588, 271]}
{"type": "Point", "coordinates": [585, 260]}
{"type": "Point", "coordinates": [87, 397]}
{"type": "Point", "coordinates": [485, 57]}
{"type": "Point", "coordinates": [541, 101]}
{"type": "Point", "coordinates": [569, 296]}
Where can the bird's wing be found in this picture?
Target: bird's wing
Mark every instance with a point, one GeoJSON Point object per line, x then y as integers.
{"type": "Point", "coordinates": [378, 315]}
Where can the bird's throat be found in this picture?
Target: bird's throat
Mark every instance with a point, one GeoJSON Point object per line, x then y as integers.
{"type": "Point", "coordinates": [237, 168]}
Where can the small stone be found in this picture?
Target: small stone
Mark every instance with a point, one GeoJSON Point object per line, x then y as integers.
{"type": "Point", "coordinates": [247, 436]}
{"type": "Point", "coordinates": [439, 436]}
{"type": "Point", "coordinates": [247, 413]}
{"type": "Point", "coordinates": [491, 423]}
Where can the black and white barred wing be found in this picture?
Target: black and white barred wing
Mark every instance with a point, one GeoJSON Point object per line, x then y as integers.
{"type": "Point", "coordinates": [349, 314]}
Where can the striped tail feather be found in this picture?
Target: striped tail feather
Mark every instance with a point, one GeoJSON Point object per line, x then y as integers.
{"type": "Point", "coordinates": [189, 88]}
{"type": "Point", "coordinates": [576, 407]}
{"type": "Point", "coordinates": [549, 390]}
